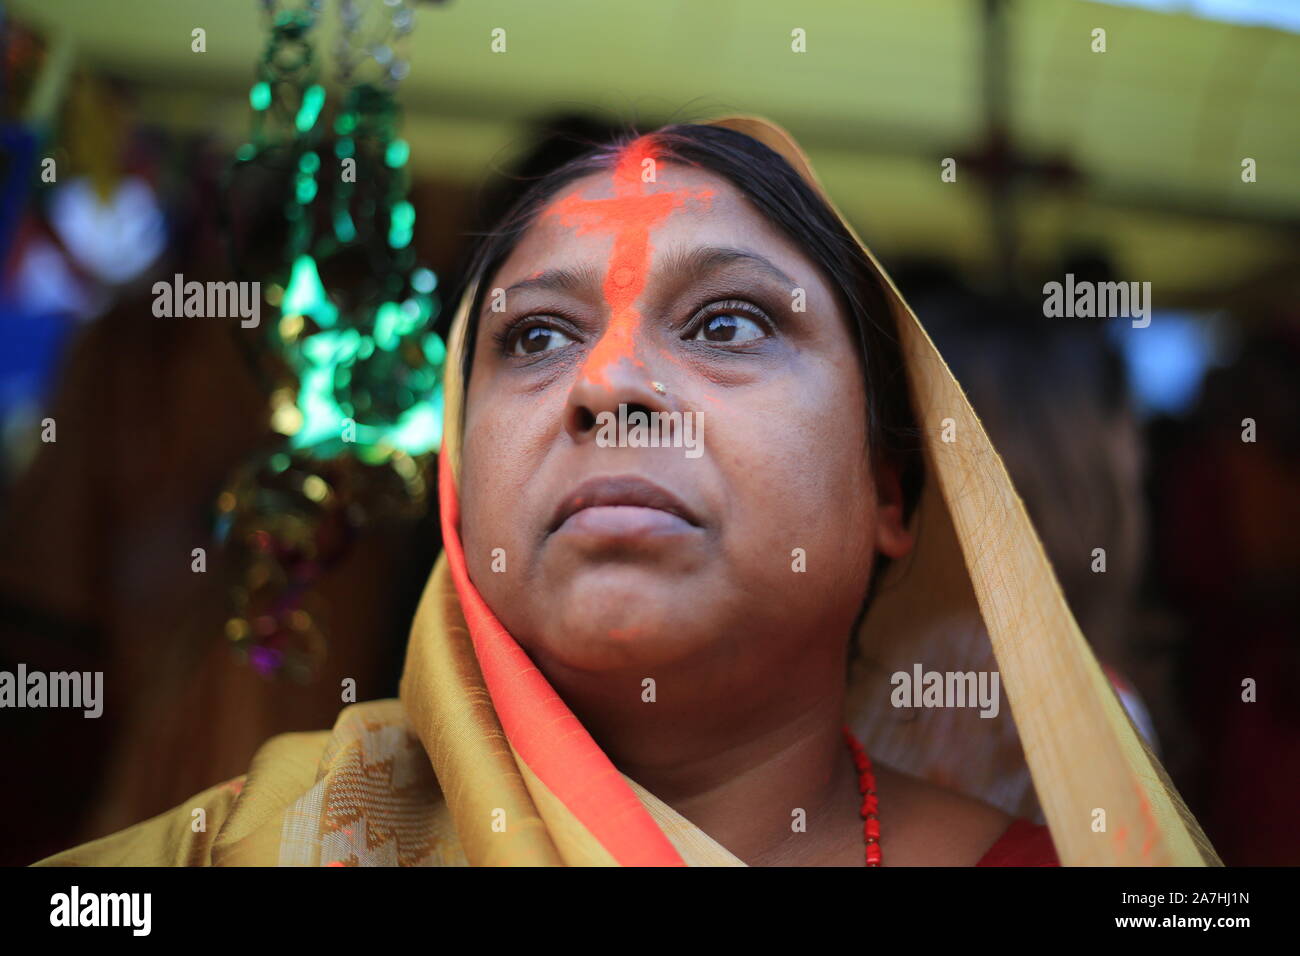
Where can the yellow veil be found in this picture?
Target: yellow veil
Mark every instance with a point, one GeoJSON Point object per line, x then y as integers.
{"type": "Point", "coordinates": [480, 763]}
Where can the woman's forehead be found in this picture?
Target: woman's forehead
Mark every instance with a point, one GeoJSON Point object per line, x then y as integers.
{"type": "Point", "coordinates": [600, 217]}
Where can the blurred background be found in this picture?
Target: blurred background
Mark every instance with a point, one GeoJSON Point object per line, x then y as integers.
{"type": "Point", "coordinates": [128, 440]}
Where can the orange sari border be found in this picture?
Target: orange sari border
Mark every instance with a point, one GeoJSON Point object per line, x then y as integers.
{"type": "Point", "coordinates": [568, 761]}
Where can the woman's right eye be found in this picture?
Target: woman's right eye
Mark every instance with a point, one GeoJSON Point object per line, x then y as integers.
{"type": "Point", "coordinates": [537, 339]}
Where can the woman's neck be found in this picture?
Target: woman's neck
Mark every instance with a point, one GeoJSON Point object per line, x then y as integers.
{"type": "Point", "coordinates": [769, 779]}
{"type": "Point", "coordinates": [786, 797]}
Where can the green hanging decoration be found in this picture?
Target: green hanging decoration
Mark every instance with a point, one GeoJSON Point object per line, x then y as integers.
{"type": "Point", "coordinates": [352, 364]}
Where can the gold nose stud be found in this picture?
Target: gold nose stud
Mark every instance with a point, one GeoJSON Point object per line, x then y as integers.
{"type": "Point", "coordinates": [659, 387]}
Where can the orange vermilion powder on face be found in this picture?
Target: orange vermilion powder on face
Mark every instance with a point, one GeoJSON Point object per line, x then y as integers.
{"type": "Point", "coordinates": [630, 214]}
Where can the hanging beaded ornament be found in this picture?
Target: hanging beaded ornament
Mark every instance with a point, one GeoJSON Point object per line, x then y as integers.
{"type": "Point", "coordinates": [350, 360]}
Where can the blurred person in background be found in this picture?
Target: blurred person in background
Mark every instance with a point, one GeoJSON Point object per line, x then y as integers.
{"type": "Point", "coordinates": [1053, 396]}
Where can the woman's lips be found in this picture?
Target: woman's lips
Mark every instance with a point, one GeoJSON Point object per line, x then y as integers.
{"type": "Point", "coordinates": [622, 506]}
{"type": "Point", "coordinates": [623, 521]}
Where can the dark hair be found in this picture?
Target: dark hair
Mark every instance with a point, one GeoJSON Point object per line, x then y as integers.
{"type": "Point", "coordinates": [791, 204]}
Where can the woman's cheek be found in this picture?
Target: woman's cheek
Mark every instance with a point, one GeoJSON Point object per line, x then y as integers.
{"type": "Point", "coordinates": [482, 519]}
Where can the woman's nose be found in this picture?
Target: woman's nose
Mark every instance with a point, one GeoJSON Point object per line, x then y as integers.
{"type": "Point", "coordinates": [626, 380]}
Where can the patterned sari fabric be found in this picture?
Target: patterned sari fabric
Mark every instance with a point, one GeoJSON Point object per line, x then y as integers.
{"type": "Point", "coordinates": [479, 762]}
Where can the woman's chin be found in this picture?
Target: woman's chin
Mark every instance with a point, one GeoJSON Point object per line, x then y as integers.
{"type": "Point", "coordinates": [621, 628]}
{"type": "Point", "coordinates": [632, 589]}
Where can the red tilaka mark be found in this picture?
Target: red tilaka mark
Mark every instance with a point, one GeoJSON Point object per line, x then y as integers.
{"type": "Point", "coordinates": [630, 214]}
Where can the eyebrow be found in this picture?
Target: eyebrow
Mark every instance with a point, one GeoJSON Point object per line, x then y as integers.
{"type": "Point", "coordinates": [693, 264]}
{"type": "Point", "coordinates": [563, 280]}
{"type": "Point", "coordinates": [696, 263]}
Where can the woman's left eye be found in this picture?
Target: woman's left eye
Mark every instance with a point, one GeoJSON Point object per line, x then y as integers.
{"type": "Point", "coordinates": [729, 327]}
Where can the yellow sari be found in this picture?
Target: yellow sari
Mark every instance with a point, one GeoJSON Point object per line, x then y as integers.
{"type": "Point", "coordinates": [479, 762]}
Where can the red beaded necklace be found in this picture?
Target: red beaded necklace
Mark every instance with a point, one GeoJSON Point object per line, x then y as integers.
{"type": "Point", "coordinates": [867, 785]}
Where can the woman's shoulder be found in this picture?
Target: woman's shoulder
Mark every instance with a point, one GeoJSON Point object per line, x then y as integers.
{"type": "Point", "coordinates": [181, 836]}
{"type": "Point", "coordinates": [240, 821]}
{"type": "Point", "coordinates": [1024, 843]}
{"type": "Point", "coordinates": [936, 826]}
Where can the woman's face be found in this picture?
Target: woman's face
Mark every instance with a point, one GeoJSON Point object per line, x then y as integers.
{"type": "Point", "coordinates": [726, 561]}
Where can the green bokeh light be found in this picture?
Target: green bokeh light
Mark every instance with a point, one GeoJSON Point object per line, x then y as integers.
{"type": "Point", "coordinates": [343, 226]}
{"type": "Point", "coordinates": [423, 280]}
{"type": "Point", "coordinates": [397, 153]}
{"type": "Point", "coordinates": [305, 294]}
{"type": "Point", "coordinates": [313, 98]}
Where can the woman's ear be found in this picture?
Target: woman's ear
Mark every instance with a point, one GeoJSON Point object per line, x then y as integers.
{"type": "Point", "coordinates": [893, 538]}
